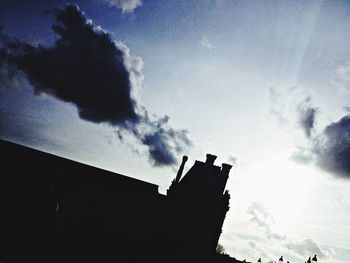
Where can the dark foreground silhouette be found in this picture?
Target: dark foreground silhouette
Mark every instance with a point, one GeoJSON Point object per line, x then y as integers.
{"type": "Point", "coordinates": [58, 210]}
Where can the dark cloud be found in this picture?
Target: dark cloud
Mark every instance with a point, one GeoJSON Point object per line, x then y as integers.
{"type": "Point", "coordinates": [347, 108]}
{"type": "Point", "coordinates": [159, 148]}
{"type": "Point", "coordinates": [332, 148]}
{"type": "Point", "coordinates": [308, 120]}
{"type": "Point", "coordinates": [8, 73]}
{"type": "Point", "coordinates": [162, 140]}
{"type": "Point", "coordinates": [307, 115]}
{"type": "Point", "coordinates": [86, 67]}
{"type": "Point", "coordinates": [9, 76]}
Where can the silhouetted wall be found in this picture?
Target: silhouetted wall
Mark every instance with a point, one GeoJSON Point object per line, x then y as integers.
{"type": "Point", "coordinates": [58, 210]}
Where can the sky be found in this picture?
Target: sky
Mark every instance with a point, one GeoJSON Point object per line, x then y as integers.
{"type": "Point", "coordinates": [130, 86]}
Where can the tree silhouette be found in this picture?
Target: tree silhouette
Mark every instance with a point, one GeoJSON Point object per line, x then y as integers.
{"type": "Point", "coordinates": [220, 249]}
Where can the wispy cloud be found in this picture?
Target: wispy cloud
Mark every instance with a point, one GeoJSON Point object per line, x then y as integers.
{"type": "Point", "coordinates": [305, 248]}
{"type": "Point", "coordinates": [278, 106]}
{"type": "Point", "coordinates": [206, 43]}
{"type": "Point", "coordinates": [262, 217]}
{"type": "Point", "coordinates": [233, 160]}
{"type": "Point", "coordinates": [291, 248]}
{"type": "Point", "coordinates": [341, 78]}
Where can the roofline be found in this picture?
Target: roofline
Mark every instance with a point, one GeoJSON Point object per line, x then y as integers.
{"type": "Point", "coordinates": [106, 172]}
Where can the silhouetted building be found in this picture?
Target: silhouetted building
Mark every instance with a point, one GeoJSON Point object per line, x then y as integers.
{"type": "Point", "coordinates": [198, 204]}
{"type": "Point", "coordinates": [58, 210]}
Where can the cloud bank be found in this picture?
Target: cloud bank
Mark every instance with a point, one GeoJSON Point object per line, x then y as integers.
{"type": "Point", "coordinates": [86, 67]}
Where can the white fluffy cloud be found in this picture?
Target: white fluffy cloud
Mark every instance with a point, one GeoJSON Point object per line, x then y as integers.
{"type": "Point", "coordinates": [127, 6]}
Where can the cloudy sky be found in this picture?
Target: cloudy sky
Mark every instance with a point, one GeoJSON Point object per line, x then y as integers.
{"type": "Point", "coordinates": [131, 86]}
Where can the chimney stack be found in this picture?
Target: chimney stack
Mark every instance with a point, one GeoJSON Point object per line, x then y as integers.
{"type": "Point", "coordinates": [225, 169]}
{"type": "Point", "coordinates": [179, 173]}
{"type": "Point", "coordinates": [210, 159]}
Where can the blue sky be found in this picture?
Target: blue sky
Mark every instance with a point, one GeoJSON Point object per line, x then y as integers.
{"type": "Point", "coordinates": [238, 77]}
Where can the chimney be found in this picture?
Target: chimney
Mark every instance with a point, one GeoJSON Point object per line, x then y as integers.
{"type": "Point", "coordinates": [179, 173]}
{"type": "Point", "coordinates": [210, 159]}
{"type": "Point", "coordinates": [225, 169]}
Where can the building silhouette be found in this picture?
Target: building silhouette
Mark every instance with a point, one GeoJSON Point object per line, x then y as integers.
{"type": "Point", "coordinates": [59, 210]}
